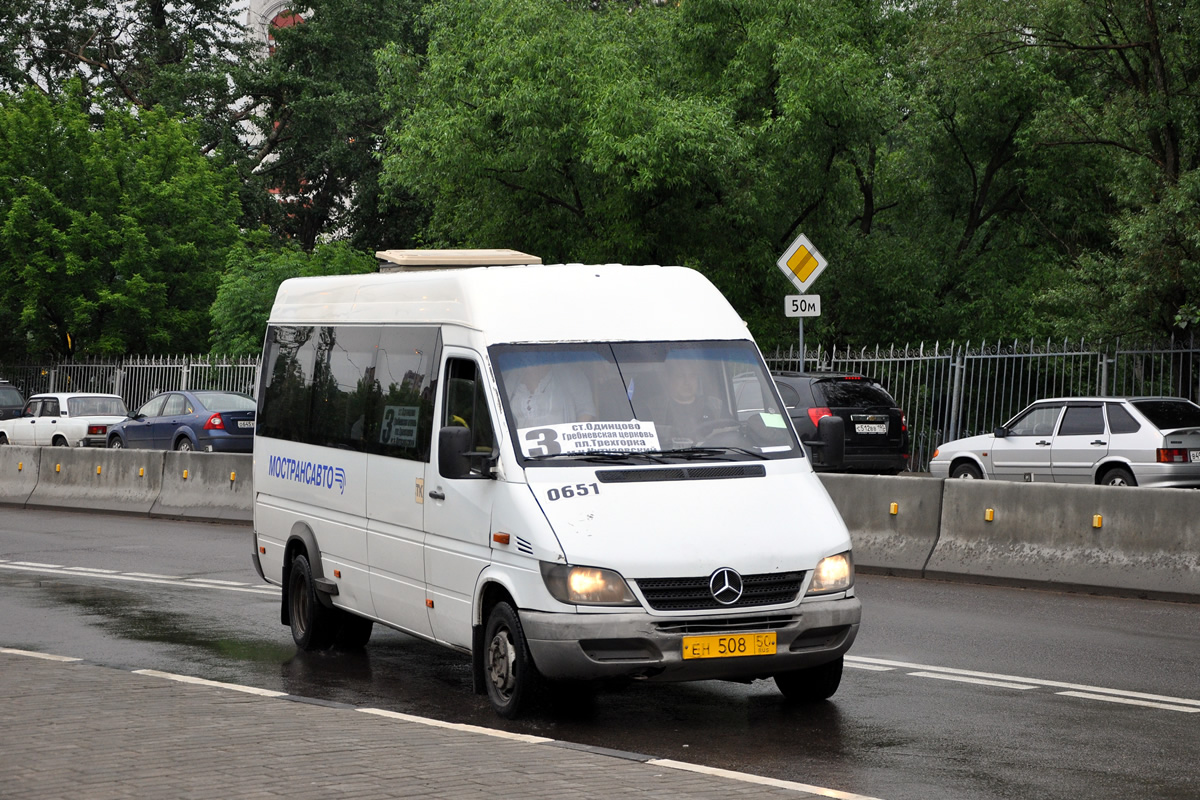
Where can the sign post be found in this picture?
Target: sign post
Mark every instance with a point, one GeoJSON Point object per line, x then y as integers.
{"type": "Point", "coordinates": [802, 264]}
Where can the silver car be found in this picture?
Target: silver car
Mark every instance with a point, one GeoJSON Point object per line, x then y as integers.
{"type": "Point", "coordinates": [1115, 441]}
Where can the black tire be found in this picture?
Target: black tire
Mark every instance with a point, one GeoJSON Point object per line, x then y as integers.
{"type": "Point", "coordinates": [811, 685]}
{"type": "Point", "coordinates": [115, 443]}
{"type": "Point", "coordinates": [353, 631]}
{"type": "Point", "coordinates": [184, 445]}
{"type": "Point", "coordinates": [966, 470]}
{"type": "Point", "coordinates": [60, 441]}
{"type": "Point", "coordinates": [3, 440]}
{"type": "Point", "coordinates": [508, 671]}
{"type": "Point", "coordinates": [1118, 476]}
{"type": "Point", "coordinates": [313, 625]}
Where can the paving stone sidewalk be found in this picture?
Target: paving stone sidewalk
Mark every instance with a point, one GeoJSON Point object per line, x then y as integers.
{"type": "Point", "coordinates": [86, 732]}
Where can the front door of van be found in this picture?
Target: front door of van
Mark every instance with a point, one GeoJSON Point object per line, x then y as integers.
{"type": "Point", "coordinates": [458, 513]}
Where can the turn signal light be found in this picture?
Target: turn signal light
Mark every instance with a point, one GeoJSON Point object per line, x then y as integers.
{"type": "Point", "coordinates": [215, 423]}
{"type": "Point", "coordinates": [1172, 455]}
{"type": "Point", "coordinates": [816, 413]}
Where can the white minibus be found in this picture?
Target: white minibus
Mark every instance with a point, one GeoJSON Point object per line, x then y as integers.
{"type": "Point", "coordinates": [569, 473]}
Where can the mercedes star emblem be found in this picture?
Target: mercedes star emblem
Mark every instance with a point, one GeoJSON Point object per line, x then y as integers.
{"type": "Point", "coordinates": [726, 586]}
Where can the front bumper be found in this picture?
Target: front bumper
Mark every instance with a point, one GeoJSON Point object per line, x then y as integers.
{"type": "Point", "coordinates": [591, 646]}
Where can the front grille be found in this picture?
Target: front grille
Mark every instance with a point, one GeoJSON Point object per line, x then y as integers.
{"type": "Point", "coordinates": [693, 594]}
{"type": "Point", "coordinates": [692, 627]}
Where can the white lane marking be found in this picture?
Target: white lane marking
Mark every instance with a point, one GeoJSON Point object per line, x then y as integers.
{"type": "Point", "coordinates": [93, 569]}
{"type": "Point", "coordinates": [34, 564]}
{"type": "Point", "coordinates": [981, 681]}
{"type": "Point", "coordinates": [1128, 701]}
{"type": "Point", "coordinates": [135, 578]}
{"type": "Point", "coordinates": [1035, 681]}
{"type": "Point", "coordinates": [32, 654]}
{"type": "Point", "coordinates": [237, 687]}
{"type": "Point", "coordinates": [456, 726]}
{"type": "Point", "coordinates": [868, 667]}
{"type": "Point", "coordinates": [215, 582]}
{"type": "Point", "coordinates": [758, 779]}
{"type": "Point", "coordinates": [153, 575]}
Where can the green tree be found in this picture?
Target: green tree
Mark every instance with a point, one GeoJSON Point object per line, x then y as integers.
{"type": "Point", "coordinates": [1124, 98]}
{"type": "Point", "coordinates": [253, 272]}
{"type": "Point", "coordinates": [319, 120]}
{"type": "Point", "coordinates": [111, 235]}
{"type": "Point", "coordinates": [146, 53]}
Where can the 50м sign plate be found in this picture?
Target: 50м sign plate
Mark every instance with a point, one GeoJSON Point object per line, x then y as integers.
{"type": "Point", "coordinates": [802, 305]}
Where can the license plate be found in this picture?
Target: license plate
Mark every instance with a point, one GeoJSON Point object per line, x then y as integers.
{"type": "Point", "coordinates": [873, 427]}
{"type": "Point", "coordinates": [729, 645]}
{"type": "Point", "coordinates": [1195, 455]}
{"type": "Point", "coordinates": [245, 423]}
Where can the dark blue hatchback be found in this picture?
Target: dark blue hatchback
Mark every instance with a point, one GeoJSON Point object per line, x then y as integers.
{"type": "Point", "coordinates": [212, 421]}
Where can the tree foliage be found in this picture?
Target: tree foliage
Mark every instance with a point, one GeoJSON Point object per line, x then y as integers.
{"type": "Point", "coordinates": [111, 234]}
{"type": "Point", "coordinates": [253, 271]}
{"type": "Point", "coordinates": [970, 168]}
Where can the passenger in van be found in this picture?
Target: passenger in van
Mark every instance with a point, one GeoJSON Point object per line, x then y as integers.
{"type": "Point", "coordinates": [549, 394]}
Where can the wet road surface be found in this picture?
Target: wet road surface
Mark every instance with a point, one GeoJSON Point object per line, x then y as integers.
{"type": "Point", "coordinates": [181, 597]}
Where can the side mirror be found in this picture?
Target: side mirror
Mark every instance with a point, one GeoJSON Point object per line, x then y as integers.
{"type": "Point", "coordinates": [1000, 432]}
{"type": "Point", "coordinates": [456, 460]}
{"type": "Point", "coordinates": [829, 448]}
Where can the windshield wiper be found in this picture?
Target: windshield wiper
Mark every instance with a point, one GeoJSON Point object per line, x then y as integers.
{"type": "Point", "coordinates": [697, 453]}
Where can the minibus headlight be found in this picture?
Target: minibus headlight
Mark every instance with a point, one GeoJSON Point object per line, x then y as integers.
{"type": "Point", "coordinates": [833, 574]}
{"type": "Point", "coordinates": [586, 586]}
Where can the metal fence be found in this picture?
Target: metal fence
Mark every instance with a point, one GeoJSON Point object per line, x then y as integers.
{"type": "Point", "coordinates": [947, 391]}
{"type": "Point", "coordinates": [955, 390]}
{"type": "Point", "coordinates": [135, 378]}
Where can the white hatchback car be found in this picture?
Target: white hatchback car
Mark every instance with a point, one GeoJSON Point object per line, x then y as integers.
{"type": "Point", "coordinates": [1115, 441]}
{"type": "Point", "coordinates": [65, 419]}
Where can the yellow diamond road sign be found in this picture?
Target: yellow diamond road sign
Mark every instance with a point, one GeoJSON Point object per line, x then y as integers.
{"type": "Point", "coordinates": [801, 263]}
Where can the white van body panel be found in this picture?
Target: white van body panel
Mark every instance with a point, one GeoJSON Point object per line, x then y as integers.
{"type": "Point", "coordinates": [663, 529]}
{"type": "Point", "coordinates": [568, 303]}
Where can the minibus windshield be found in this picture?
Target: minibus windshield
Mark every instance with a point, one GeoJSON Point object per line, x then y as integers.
{"type": "Point", "coordinates": [684, 400]}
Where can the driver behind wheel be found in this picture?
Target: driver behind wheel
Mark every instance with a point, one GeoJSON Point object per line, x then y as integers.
{"type": "Point", "coordinates": [686, 410]}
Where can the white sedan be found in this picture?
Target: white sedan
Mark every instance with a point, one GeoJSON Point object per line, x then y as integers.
{"type": "Point", "coordinates": [1114, 441]}
{"type": "Point", "coordinates": [65, 419]}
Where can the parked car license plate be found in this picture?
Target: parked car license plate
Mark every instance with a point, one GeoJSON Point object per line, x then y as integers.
{"type": "Point", "coordinates": [245, 423]}
{"type": "Point", "coordinates": [726, 645]}
{"type": "Point", "coordinates": [870, 427]}
{"type": "Point", "coordinates": [1195, 455]}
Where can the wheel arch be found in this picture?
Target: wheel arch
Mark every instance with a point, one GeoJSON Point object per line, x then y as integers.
{"type": "Point", "coordinates": [301, 539]}
{"type": "Point", "coordinates": [491, 590]}
{"type": "Point", "coordinates": [185, 433]}
{"type": "Point", "coordinates": [967, 458]}
{"type": "Point", "coordinates": [1108, 464]}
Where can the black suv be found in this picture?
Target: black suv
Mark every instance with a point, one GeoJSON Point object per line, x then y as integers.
{"type": "Point", "coordinates": [11, 401]}
{"type": "Point", "coordinates": [876, 428]}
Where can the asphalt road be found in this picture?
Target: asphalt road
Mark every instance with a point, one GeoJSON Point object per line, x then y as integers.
{"type": "Point", "coordinates": [952, 691]}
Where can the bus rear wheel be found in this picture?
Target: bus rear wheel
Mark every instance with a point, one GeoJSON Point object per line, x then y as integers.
{"type": "Point", "coordinates": [312, 623]}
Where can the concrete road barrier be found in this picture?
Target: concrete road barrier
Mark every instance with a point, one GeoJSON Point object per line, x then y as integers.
{"type": "Point", "coordinates": [96, 478]}
{"type": "Point", "coordinates": [206, 486]}
{"type": "Point", "coordinates": [893, 520]}
{"type": "Point", "coordinates": [1139, 540]}
{"type": "Point", "coordinates": [18, 474]}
